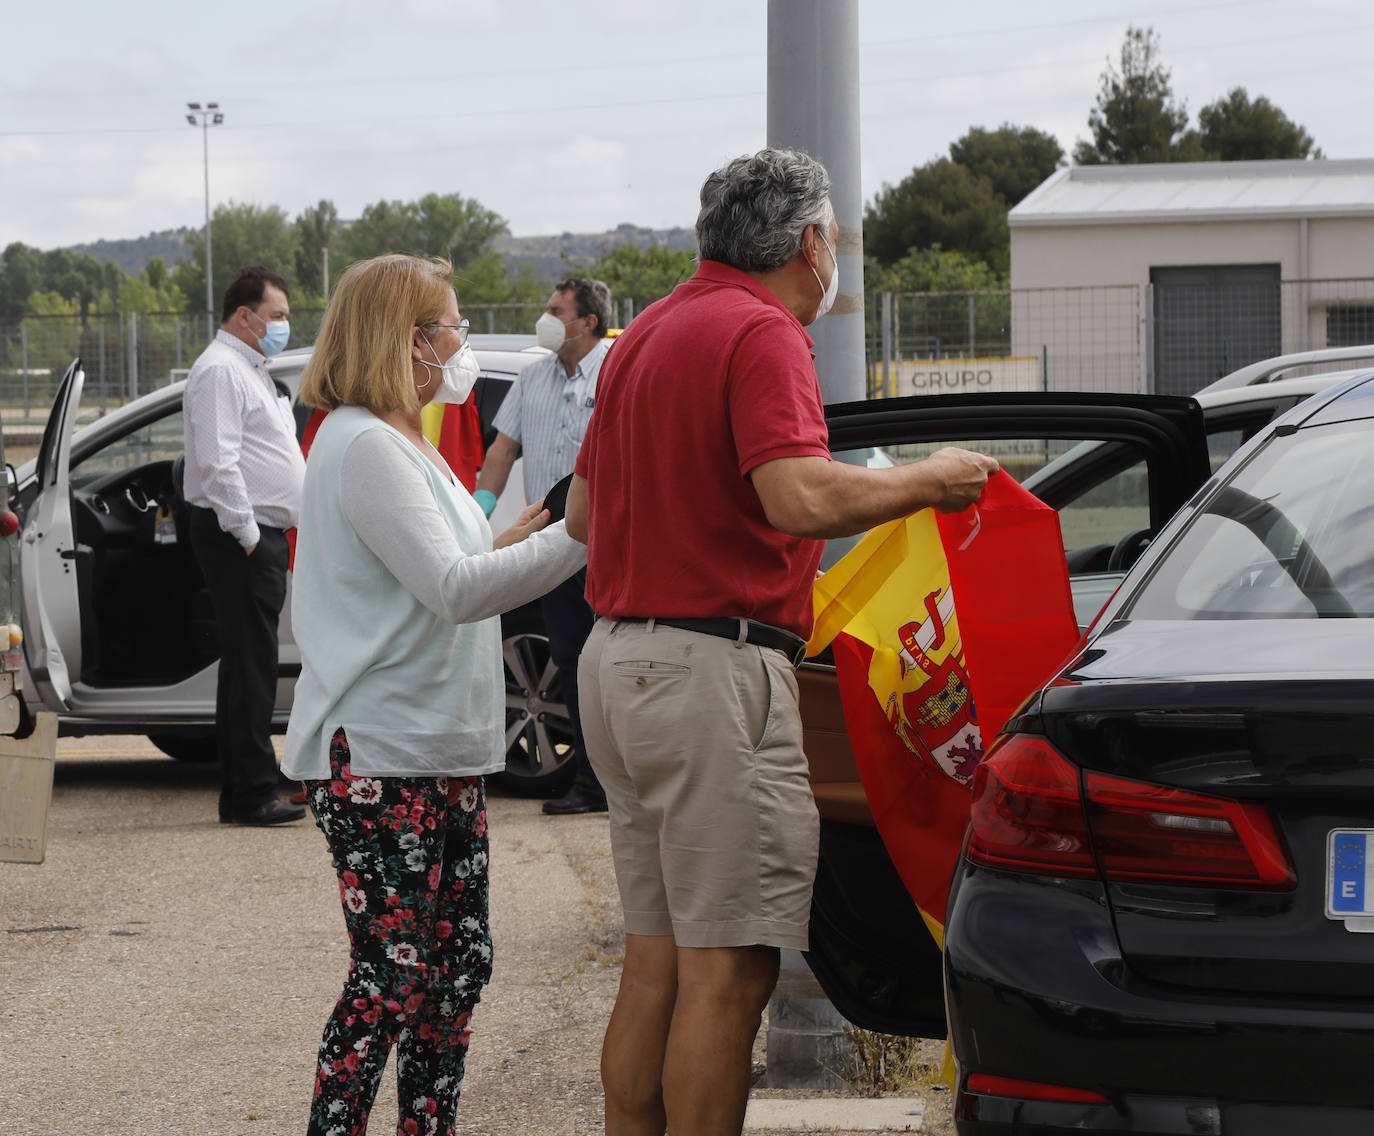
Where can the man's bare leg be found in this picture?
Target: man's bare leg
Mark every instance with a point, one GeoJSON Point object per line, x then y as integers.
{"type": "Point", "coordinates": [706, 1072]}
{"type": "Point", "coordinates": [637, 1037]}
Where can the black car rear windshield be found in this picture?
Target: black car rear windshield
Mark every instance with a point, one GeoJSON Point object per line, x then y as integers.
{"type": "Point", "coordinates": [1290, 536]}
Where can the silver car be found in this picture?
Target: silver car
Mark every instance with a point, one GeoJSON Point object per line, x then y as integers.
{"type": "Point", "coordinates": [119, 634]}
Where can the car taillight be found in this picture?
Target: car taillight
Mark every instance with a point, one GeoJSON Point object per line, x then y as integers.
{"type": "Point", "coordinates": [1030, 815]}
{"type": "Point", "coordinates": [1026, 813]}
{"type": "Point", "coordinates": [1030, 1090]}
{"type": "Point", "coordinates": [1163, 835]}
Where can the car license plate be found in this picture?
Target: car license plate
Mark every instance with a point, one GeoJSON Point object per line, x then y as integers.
{"type": "Point", "coordinates": [1350, 877]}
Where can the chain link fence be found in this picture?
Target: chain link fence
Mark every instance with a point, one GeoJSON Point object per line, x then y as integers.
{"type": "Point", "coordinates": [1159, 338]}
{"type": "Point", "coordinates": [1170, 338]}
{"type": "Point", "coordinates": [128, 355]}
{"type": "Point", "coordinates": [1024, 340]}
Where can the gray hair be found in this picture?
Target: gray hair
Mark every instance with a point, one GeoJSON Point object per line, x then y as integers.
{"type": "Point", "coordinates": [755, 209]}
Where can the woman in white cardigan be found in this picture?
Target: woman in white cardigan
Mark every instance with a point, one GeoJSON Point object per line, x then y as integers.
{"type": "Point", "coordinates": [399, 709]}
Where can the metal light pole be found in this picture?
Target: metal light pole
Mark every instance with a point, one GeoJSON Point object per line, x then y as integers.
{"type": "Point", "coordinates": [208, 117]}
{"type": "Point", "coordinates": [813, 105]}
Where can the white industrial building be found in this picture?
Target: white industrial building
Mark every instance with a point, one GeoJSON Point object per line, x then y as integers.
{"type": "Point", "coordinates": [1163, 277]}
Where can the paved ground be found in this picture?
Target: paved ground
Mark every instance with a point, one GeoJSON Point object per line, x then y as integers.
{"type": "Point", "coordinates": [163, 973]}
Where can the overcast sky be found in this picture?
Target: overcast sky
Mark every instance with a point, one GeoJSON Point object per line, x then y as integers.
{"type": "Point", "coordinates": [576, 115]}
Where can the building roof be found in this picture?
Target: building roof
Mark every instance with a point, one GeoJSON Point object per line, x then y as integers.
{"type": "Point", "coordinates": [1200, 191]}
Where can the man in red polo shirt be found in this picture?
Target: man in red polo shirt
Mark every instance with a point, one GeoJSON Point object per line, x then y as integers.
{"type": "Point", "coordinates": [705, 489]}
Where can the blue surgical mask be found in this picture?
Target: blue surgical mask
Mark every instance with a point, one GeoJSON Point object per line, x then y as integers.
{"type": "Point", "coordinates": [275, 335]}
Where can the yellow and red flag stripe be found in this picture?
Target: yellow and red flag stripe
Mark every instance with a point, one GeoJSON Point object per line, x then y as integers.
{"type": "Point", "coordinates": [940, 625]}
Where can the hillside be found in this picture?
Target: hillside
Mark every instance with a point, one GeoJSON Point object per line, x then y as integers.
{"type": "Point", "coordinates": [132, 255]}
{"type": "Point", "coordinates": [548, 257]}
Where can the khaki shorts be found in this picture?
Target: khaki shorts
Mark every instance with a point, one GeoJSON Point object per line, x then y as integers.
{"type": "Point", "coordinates": [697, 742]}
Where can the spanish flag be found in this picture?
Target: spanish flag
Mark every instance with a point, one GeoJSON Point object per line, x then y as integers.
{"type": "Point", "coordinates": [941, 625]}
{"type": "Point", "coordinates": [456, 432]}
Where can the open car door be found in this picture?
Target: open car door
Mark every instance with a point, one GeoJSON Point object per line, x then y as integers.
{"type": "Point", "coordinates": [1123, 465]}
{"type": "Point", "coordinates": [49, 556]}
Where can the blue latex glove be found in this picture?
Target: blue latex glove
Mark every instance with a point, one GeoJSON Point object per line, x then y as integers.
{"type": "Point", "coordinates": [487, 499]}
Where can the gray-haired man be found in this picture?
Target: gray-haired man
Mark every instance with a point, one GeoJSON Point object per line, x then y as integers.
{"type": "Point", "coordinates": [705, 489]}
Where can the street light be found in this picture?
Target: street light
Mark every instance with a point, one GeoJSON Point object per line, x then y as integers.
{"type": "Point", "coordinates": [209, 116]}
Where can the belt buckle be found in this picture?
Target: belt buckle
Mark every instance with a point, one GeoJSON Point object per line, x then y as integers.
{"type": "Point", "coordinates": [794, 653]}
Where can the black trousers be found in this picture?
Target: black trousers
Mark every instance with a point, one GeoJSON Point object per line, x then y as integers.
{"type": "Point", "coordinates": [567, 622]}
{"type": "Point", "coordinates": [247, 593]}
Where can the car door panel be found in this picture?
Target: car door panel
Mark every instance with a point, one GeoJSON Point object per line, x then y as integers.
{"type": "Point", "coordinates": [49, 555]}
{"type": "Point", "coordinates": [860, 902]}
{"type": "Point", "coordinates": [834, 775]}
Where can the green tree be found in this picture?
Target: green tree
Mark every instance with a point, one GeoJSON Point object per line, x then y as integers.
{"type": "Point", "coordinates": [1234, 129]}
{"type": "Point", "coordinates": [941, 203]}
{"type": "Point", "coordinates": [933, 270]}
{"type": "Point", "coordinates": [240, 235]}
{"type": "Point", "coordinates": [385, 226]}
{"type": "Point", "coordinates": [459, 228]}
{"type": "Point", "coordinates": [316, 230]}
{"type": "Point", "coordinates": [21, 275]}
{"type": "Point", "coordinates": [1015, 159]}
{"type": "Point", "coordinates": [25, 271]}
{"type": "Point", "coordinates": [51, 304]}
{"type": "Point", "coordinates": [1136, 117]}
{"type": "Point", "coordinates": [51, 322]}
{"type": "Point", "coordinates": [486, 280]}
{"type": "Point", "coordinates": [156, 274]}
{"type": "Point", "coordinates": [79, 278]}
{"type": "Point", "coordinates": [447, 225]}
{"type": "Point", "coordinates": [140, 294]}
{"type": "Point", "coordinates": [638, 273]}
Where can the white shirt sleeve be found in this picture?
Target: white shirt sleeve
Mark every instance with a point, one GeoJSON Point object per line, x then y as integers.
{"type": "Point", "coordinates": [214, 408]}
{"type": "Point", "coordinates": [390, 504]}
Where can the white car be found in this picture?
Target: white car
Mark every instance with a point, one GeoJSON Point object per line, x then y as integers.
{"type": "Point", "coordinates": [119, 634]}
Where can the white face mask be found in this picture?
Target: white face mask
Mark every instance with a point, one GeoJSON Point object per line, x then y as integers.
{"type": "Point", "coordinates": [461, 373]}
{"type": "Point", "coordinates": [550, 331]}
{"type": "Point", "coordinates": [831, 290]}
{"type": "Point", "coordinates": [458, 374]}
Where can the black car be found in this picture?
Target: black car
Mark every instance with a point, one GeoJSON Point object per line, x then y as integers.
{"type": "Point", "coordinates": [1159, 921]}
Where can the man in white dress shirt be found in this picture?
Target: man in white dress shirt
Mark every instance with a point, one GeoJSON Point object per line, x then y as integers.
{"type": "Point", "coordinates": [546, 415]}
{"type": "Point", "coordinates": [243, 479]}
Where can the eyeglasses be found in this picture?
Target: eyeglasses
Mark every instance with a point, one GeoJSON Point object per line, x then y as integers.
{"type": "Point", "coordinates": [461, 327]}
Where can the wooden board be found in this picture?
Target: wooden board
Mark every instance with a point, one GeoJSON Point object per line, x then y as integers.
{"type": "Point", "coordinates": [26, 767]}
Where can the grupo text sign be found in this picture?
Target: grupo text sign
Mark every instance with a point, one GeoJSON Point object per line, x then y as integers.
{"type": "Point", "coordinates": [967, 376]}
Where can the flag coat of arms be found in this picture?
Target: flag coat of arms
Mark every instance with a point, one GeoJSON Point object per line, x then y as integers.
{"type": "Point", "coordinates": [940, 626]}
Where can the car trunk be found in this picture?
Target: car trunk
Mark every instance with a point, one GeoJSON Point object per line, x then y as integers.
{"type": "Point", "coordinates": [1278, 712]}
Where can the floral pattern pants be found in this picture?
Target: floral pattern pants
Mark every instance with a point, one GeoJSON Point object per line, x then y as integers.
{"type": "Point", "coordinates": [411, 855]}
